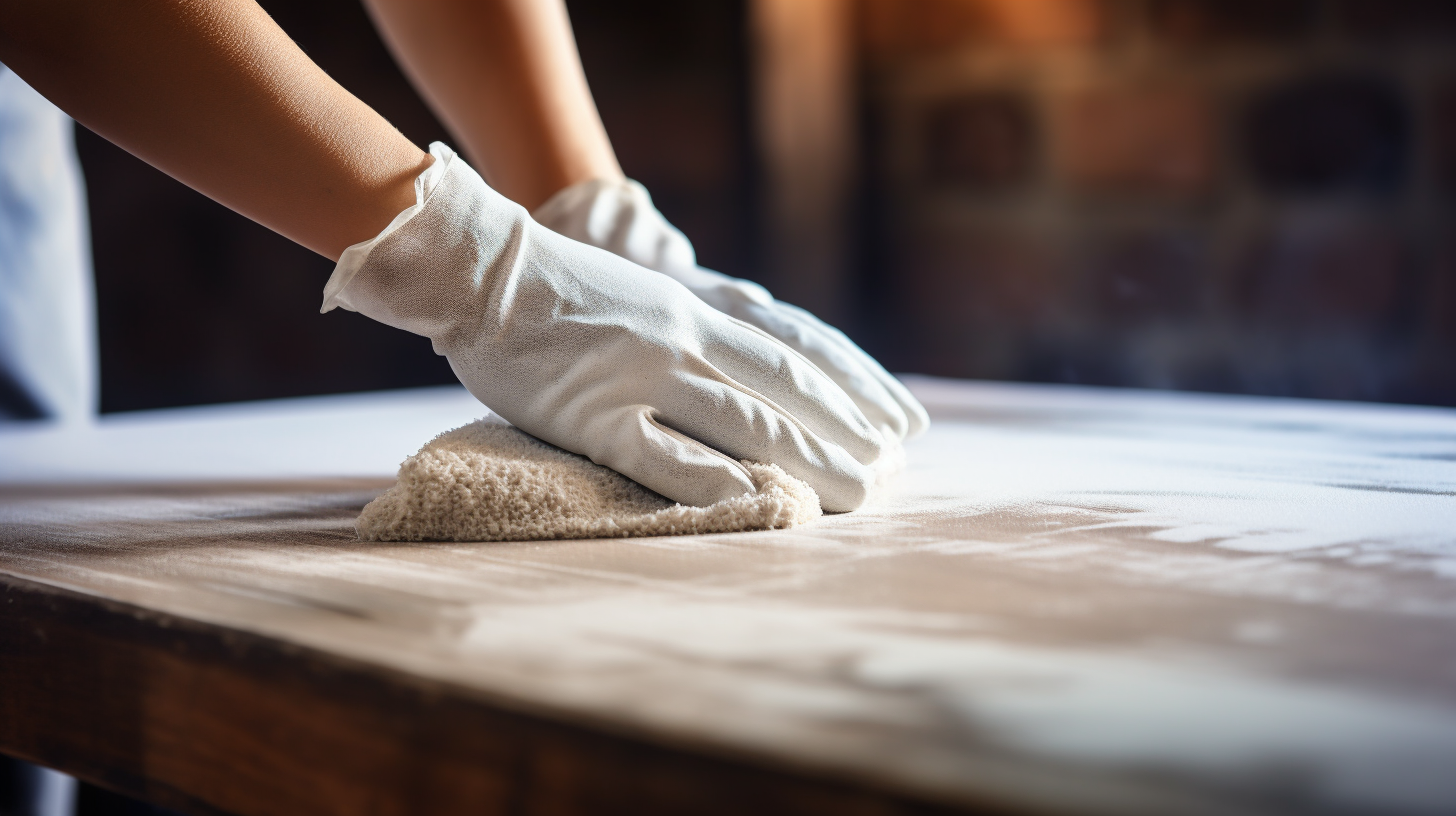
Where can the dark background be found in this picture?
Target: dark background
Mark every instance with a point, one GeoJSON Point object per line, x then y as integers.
{"type": "Point", "coordinates": [1223, 195]}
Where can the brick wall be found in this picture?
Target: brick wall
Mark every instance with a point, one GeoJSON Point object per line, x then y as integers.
{"type": "Point", "coordinates": [1231, 195]}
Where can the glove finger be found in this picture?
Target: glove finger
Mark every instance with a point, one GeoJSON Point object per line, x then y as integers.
{"type": "Point", "coordinates": [916, 419]}
{"type": "Point", "coordinates": [815, 339]}
{"type": "Point", "coordinates": [733, 419]}
{"type": "Point", "coordinates": [915, 413]}
{"type": "Point", "coordinates": [796, 387]}
{"type": "Point", "coordinates": [632, 442]}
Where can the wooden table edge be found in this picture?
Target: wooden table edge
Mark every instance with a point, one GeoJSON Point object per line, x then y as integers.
{"type": "Point", "coordinates": [192, 715]}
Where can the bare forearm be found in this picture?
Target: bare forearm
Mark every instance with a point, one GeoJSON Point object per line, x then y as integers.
{"type": "Point", "coordinates": [505, 77]}
{"type": "Point", "coordinates": [213, 93]}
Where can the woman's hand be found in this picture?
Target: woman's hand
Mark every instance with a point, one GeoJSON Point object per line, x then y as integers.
{"type": "Point", "coordinates": [599, 356]}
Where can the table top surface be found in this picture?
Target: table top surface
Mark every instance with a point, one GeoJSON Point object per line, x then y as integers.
{"type": "Point", "coordinates": [1081, 599]}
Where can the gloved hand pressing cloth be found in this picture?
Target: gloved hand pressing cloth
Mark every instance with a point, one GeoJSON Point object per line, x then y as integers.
{"type": "Point", "coordinates": [596, 355]}
{"type": "Point", "coordinates": [618, 215]}
{"type": "Point", "coordinates": [489, 481]}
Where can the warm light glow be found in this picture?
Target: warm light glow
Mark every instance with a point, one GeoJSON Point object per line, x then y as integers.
{"type": "Point", "coordinates": [1044, 22]}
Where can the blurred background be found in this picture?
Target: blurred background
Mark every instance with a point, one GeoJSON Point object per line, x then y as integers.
{"type": "Point", "coordinates": [1252, 196]}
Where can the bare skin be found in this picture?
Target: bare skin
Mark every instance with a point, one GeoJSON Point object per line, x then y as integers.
{"type": "Point", "coordinates": [505, 77]}
{"type": "Point", "coordinates": [214, 94]}
{"type": "Point", "coordinates": [217, 96]}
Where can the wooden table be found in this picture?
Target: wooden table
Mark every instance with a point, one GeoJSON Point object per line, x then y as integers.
{"type": "Point", "coordinates": [1078, 601]}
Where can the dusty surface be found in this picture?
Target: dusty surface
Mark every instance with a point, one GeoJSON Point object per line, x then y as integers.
{"type": "Point", "coordinates": [1108, 599]}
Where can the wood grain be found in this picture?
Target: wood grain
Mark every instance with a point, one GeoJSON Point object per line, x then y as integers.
{"type": "Point", "coordinates": [208, 720]}
{"type": "Point", "coordinates": [1075, 601]}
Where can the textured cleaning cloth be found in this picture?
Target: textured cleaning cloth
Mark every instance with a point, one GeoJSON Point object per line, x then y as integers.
{"type": "Point", "coordinates": [488, 481]}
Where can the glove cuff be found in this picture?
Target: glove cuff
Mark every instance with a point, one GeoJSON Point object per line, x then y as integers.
{"type": "Point", "coordinates": [434, 270]}
{"type": "Point", "coordinates": [353, 258]}
{"type": "Point", "coordinates": [617, 215]}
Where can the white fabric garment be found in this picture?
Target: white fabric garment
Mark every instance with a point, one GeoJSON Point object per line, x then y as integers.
{"type": "Point", "coordinates": [42, 791]}
{"type": "Point", "coordinates": [47, 301]}
{"type": "Point", "coordinates": [599, 356]}
{"type": "Point", "coordinates": [488, 481]}
{"type": "Point", "coordinates": [618, 215]}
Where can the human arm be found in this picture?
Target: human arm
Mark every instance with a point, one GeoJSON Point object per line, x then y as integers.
{"type": "Point", "coordinates": [214, 94]}
{"type": "Point", "coordinates": [505, 78]}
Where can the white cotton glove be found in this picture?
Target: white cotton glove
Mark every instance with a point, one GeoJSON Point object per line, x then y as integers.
{"type": "Point", "coordinates": [599, 356]}
{"type": "Point", "coordinates": [618, 216]}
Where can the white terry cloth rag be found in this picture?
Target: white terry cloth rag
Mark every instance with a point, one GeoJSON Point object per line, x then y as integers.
{"type": "Point", "coordinates": [489, 481]}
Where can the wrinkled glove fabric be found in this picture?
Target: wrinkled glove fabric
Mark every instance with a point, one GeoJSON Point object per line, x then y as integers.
{"type": "Point", "coordinates": [618, 215]}
{"type": "Point", "coordinates": [599, 356]}
{"type": "Point", "coordinates": [489, 481]}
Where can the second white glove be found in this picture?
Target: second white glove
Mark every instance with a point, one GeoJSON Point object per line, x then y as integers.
{"type": "Point", "coordinates": [599, 356]}
{"type": "Point", "coordinates": [618, 215]}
